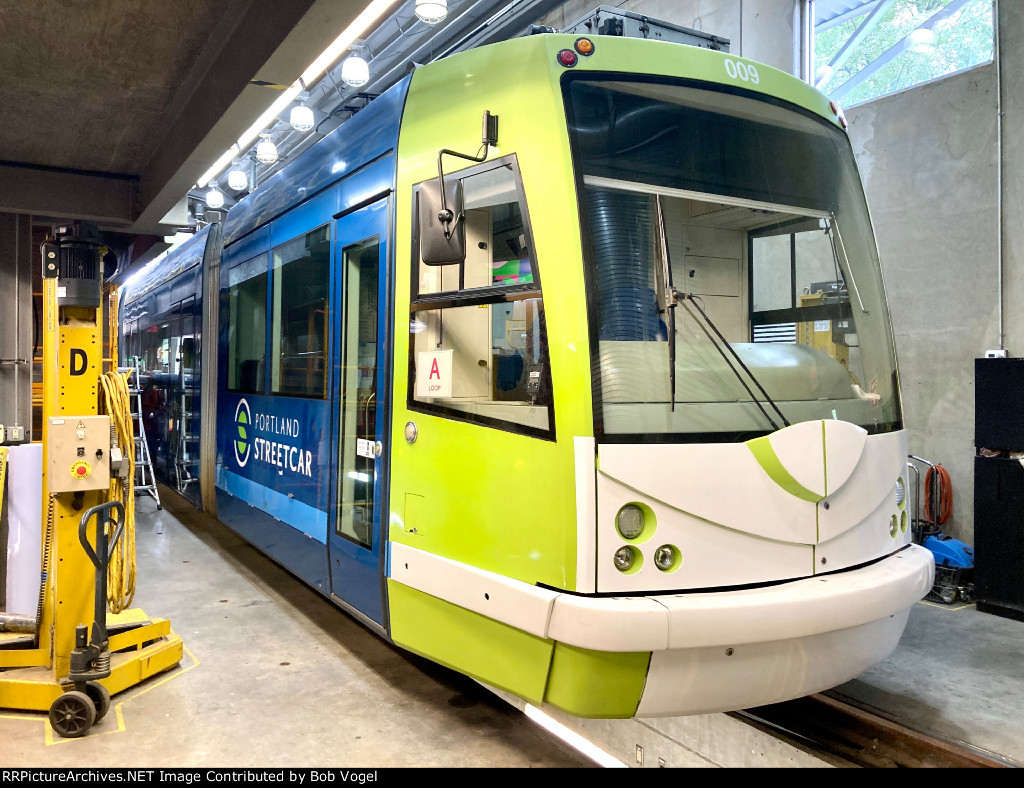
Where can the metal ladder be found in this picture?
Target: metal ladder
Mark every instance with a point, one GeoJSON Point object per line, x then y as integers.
{"type": "Point", "coordinates": [187, 440]}
{"type": "Point", "coordinates": [145, 481]}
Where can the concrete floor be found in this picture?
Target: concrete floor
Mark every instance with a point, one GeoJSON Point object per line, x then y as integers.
{"type": "Point", "coordinates": [957, 675]}
{"type": "Point", "coordinates": [276, 676]}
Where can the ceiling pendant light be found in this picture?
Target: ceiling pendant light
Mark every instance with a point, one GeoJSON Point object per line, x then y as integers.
{"type": "Point", "coordinates": [355, 71]}
{"type": "Point", "coordinates": [214, 198]}
{"type": "Point", "coordinates": [431, 11]}
{"type": "Point", "coordinates": [301, 118]}
{"type": "Point", "coordinates": [266, 151]}
{"type": "Point", "coordinates": [237, 179]}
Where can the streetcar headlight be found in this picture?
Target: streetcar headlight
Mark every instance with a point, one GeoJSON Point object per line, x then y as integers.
{"type": "Point", "coordinates": [901, 492]}
{"type": "Point", "coordinates": [893, 527]}
{"type": "Point", "coordinates": [666, 558]}
{"type": "Point", "coordinates": [626, 557]}
{"type": "Point", "coordinates": [630, 521]}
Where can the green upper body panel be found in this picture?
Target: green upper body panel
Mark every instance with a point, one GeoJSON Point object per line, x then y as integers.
{"type": "Point", "coordinates": [477, 494]}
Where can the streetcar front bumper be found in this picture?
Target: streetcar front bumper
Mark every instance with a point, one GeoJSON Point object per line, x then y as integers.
{"type": "Point", "coordinates": [736, 649]}
{"type": "Point", "coordinates": [709, 651]}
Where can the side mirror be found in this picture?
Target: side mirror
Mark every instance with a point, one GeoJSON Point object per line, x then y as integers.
{"type": "Point", "coordinates": [441, 243]}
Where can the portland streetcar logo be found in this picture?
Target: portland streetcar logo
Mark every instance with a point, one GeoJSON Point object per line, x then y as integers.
{"type": "Point", "coordinates": [243, 425]}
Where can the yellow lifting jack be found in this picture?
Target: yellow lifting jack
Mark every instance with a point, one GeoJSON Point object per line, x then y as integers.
{"type": "Point", "coordinates": [54, 665]}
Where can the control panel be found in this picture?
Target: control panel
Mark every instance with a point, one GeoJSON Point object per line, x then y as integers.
{"type": "Point", "coordinates": [78, 448]}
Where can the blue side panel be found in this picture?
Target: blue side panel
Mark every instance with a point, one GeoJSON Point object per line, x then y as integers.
{"type": "Point", "coordinates": [358, 141]}
{"type": "Point", "coordinates": [281, 447]}
{"type": "Point", "coordinates": [163, 316]}
{"type": "Point", "coordinates": [177, 276]}
{"type": "Point", "coordinates": [310, 520]}
{"type": "Point", "coordinates": [296, 551]}
{"type": "Point", "coordinates": [250, 246]}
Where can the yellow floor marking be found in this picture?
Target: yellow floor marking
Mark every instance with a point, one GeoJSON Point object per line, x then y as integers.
{"type": "Point", "coordinates": [950, 608]}
{"type": "Point", "coordinates": [48, 735]}
{"type": "Point", "coordinates": [172, 675]}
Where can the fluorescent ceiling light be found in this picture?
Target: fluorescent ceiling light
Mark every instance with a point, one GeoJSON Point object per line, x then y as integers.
{"type": "Point", "coordinates": [226, 158]}
{"type": "Point", "coordinates": [360, 24]}
{"type": "Point", "coordinates": [374, 11]}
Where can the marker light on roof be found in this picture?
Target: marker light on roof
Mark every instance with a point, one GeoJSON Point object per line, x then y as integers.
{"type": "Point", "coordinates": [567, 58]}
{"type": "Point", "coordinates": [584, 46]}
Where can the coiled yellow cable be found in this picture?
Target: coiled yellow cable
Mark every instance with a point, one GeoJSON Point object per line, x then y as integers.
{"type": "Point", "coordinates": [121, 571]}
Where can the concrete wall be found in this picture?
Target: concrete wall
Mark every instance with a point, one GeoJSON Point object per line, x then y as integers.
{"type": "Point", "coordinates": [930, 161]}
{"type": "Point", "coordinates": [1011, 32]}
{"type": "Point", "coordinates": [762, 30]}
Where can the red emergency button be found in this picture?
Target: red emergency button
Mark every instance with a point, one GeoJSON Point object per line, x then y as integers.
{"type": "Point", "coordinates": [81, 469]}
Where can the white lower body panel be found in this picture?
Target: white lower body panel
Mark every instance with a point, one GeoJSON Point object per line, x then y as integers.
{"type": "Point", "coordinates": [717, 678]}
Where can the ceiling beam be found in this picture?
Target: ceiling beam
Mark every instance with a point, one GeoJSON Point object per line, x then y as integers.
{"type": "Point", "coordinates": [99, 197]}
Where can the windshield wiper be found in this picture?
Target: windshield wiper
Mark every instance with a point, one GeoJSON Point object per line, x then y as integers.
{"type": "Point", "coordinates": [832, 230]}
{"type": "Point", "coordinates": [683, 298]}
{"type": "Point", "coordinates": [668, 297]}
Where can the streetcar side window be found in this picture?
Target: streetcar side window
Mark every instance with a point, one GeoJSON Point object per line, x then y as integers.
{"type": "Point", "coordinates": [497, 250]}
{"type": "Point", "coordinates": [247, 326]}
{"type": "Point", "coordinates": [298, 334]}
{"type": "Point", "coordinates": [478, 350]}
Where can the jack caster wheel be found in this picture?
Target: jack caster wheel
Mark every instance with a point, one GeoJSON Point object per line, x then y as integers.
{"type": "Point", "coordinates": [100, 698]}
{"type": "Point", "coordinates": [72, 714]}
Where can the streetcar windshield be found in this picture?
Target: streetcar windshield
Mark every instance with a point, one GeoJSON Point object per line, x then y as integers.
{"type": "Point", "coordinates": [733, 281]}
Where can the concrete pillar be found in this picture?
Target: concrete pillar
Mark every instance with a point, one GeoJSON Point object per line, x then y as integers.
{"type": "Point", "coordinates": [16, 322]}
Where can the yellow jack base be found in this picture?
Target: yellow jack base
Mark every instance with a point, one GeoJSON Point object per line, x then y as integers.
{"type": "Point", "coordinates": [28, 683]}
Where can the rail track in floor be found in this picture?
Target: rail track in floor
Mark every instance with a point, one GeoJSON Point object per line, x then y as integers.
{"type": "Point", "coordinates": [861, 737]}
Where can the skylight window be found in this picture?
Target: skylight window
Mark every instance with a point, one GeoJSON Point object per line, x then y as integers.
{"type": "Point", "coordinates": [896, 44]}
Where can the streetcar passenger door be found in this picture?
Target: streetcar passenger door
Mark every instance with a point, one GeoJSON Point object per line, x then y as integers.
{"type": "Point", "coordinates": [360, 367]}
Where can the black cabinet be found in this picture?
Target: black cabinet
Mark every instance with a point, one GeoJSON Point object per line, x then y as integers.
{"type": "Point", "coordinates": [999, 403]}
{"type": "Point", "coordinates": [999, 536]}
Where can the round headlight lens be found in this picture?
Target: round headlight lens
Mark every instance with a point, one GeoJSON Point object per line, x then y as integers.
{"type": "Point", "coordinates": [901, 492]}
{"type": "Point", "coordinates": [630, 521]}
{"type": "Point", "coordinates": [624, 558]}
{"type": "Point", "coordinates": [665, 557]}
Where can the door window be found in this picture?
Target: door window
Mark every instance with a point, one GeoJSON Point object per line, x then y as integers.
{"type": "Point", "coordinates": [356, 467]}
